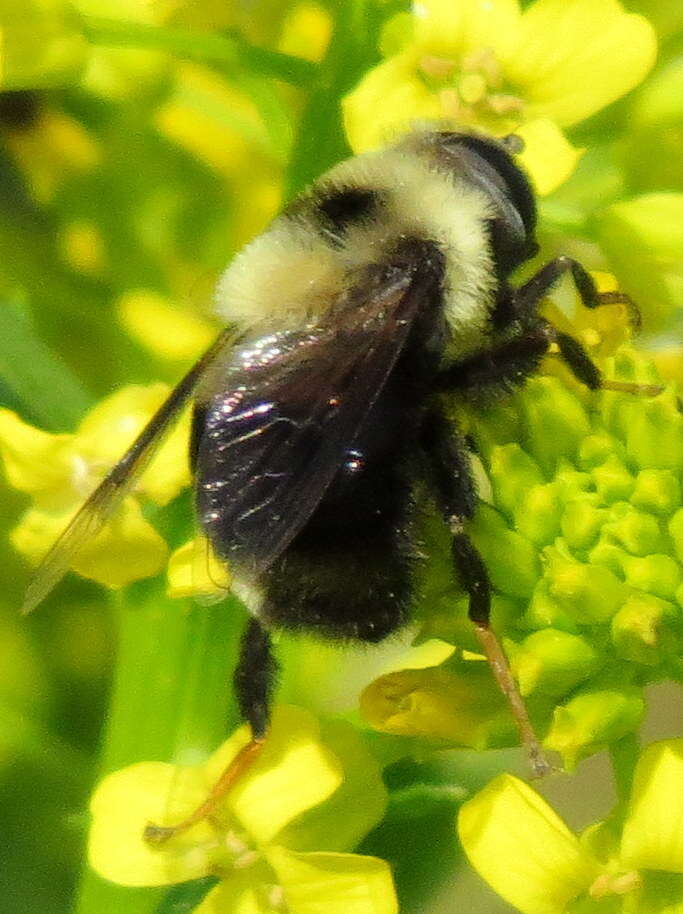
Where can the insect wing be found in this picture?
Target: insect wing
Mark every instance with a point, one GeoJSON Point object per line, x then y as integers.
{"type": "Point", "coordinates": [106, 498]}
{"type": "Point", "coordinates": [273, 442]}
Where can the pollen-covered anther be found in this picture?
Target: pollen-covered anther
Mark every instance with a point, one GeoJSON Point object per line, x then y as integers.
{"type": "Point", "coordinates": [505, 104]}
{"type": "Point", "coordinates": [484, 61]}
{"type": "Point", "coordinates": [472, 88]}
{"type": "Point", "coordinates": [615, 884]}
{"type": "Point", "coordinates": [437, 67]}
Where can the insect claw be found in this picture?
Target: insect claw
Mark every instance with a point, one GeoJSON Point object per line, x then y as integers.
{"type": "Point", "coordinates": [159, 834]}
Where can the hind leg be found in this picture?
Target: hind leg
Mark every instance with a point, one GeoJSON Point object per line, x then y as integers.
{"type": "Point", "coordinates": [254, 682]}
{"type": "Point", "coordinates": [455, 492]}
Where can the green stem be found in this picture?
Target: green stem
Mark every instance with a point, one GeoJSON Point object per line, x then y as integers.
{"type": "Point", "coordinates": [624, 755]}
{"type": "Point", "coordinates": [205, 47]}
{"type": "Point", "coordinates": [170, 702]}
{"type": "Point", "coordinates": [321, 139]}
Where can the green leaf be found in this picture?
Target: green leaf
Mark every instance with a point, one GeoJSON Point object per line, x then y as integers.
{"type": "Point", "coordinates": [48, 392]}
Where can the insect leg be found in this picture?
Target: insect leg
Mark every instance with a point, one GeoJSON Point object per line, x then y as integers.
{"type": "Point", "coordinates": [503, 367]}
{"type": "Point", "coordinates": [582, 367]}
{"type": "Point", "coordinates": [456, 496]}
{"type": "Point", "coordinates": [509, 364]}
{"type": "Point", "coordinates": [528, 296]}
{"type": "Point", "coordinates": [254, 680]}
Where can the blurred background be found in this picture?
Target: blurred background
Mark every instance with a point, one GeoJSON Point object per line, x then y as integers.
{"type": "Point", "coordinates": [124, 191]}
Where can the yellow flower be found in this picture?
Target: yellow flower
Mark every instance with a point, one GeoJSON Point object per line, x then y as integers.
{"type": "Point", "coordinates": [59, 471]}
{"type": "Point", "coordinates": [456, 705]}
{"type": "Point", "coordinates": [259, 841]}
{"type": "Point", "coordinates": [194, 571]}
{"type": "Point", "coordinates": [528, 855]}
{"type": "Point", "coordinates": [166, 330]}
{"type": "Point", "coordinates": [497, 68]}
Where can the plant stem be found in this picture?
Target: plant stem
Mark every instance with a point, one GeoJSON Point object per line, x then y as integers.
{"type": "Point", "coordinates": [624, 755]}
{"type": "Point", "coordinates": [170, 702]}
{"type": "Point", "coordinates": [321, 139]}
{"type": "Point", "coordinates": [205, 47]}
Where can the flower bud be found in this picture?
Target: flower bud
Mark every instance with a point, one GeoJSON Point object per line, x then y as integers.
{"type": "Point", "coordinates": [606, 553]}
{"type": "Point", "coordinates": [538, 512]}
{"type": "Point", "coordinates": [571, 481]}
{"type": "Point", "coordinates": [647, 630]}
{"type": "Point", "coordinates": [512, 473]}
{"type": "Point", "coordinates": [657, 574]}
{"type": "Point", "coordinates": [457, 706]}
{"type": "Point", "coordinates": [658, 491]}
{"type": "Point", "coordinates": [592, 719]}
{"type": "Point", "coordinates": [637, 532]}
{"type": "Point", "coordinates": [612, 480]}
{"type": "Point", "coordinates": [597, 448]}
{"type": "Point", "coordinates": [676, 533]}
{"type": "Point", "coordinates": [581, 522]}
{"type": "Point", "coordinates": [511, 559]}
{"type": "Point", "coordinates": [590, 593]}
{"type": "Point", "coordinates": [552, 662]}
{"type": "Point", "coordinates": [554, 421]}
{"type": "Point", "coordinates": [654, 438]}
{"type": "Point", "coordinates": [544, 611]}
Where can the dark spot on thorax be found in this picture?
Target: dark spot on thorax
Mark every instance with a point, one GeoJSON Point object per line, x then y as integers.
{"type": "Point", "coordinates": [341, 208]}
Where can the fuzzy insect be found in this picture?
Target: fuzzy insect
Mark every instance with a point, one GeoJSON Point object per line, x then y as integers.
{"type": "Point", "coordinates": [319, 413]}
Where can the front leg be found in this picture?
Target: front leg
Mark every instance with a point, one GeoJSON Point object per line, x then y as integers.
{"type": "Point", "coordinates": [455, 493]}
{"type": "Point", "coordinates": [507, 365]}
{"type": "Point", "coordinates": [521, 304]}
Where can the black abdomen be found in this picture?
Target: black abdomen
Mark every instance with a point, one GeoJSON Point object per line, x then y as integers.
{"type": "Point", "coordinates": [348, 574]}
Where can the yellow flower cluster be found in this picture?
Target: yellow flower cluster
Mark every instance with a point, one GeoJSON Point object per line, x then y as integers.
{"type": "Point", "coordinates": [634, 867]}
{"type": "Point", "coordinates": [310, 789]}
{"type": "Point", "coordinates": [498, 68]}
{"type": "Point", "coordinates": [59, 471]}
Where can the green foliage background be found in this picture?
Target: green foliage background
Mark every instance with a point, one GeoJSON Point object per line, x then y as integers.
{"type": "Point", "coordinates": [155, 212]}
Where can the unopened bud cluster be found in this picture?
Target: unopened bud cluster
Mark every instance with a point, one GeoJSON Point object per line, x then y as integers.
{"type": "Point", "coordinates": [582, 534]}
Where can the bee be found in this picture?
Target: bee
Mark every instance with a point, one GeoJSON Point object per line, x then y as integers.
{"type": "Point", "coordinates": [319, 413]}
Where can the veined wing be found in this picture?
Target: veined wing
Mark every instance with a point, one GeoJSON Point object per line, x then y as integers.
{"type": "Point", "coordinates": [105, 499]}
{"type": "Point", "coordinates": [275, 438]}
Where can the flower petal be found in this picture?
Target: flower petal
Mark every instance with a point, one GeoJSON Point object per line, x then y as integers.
{"type": "Point", "coordinates": [35, 461]}
{"type": "Point", "coordinates": [193, 570]}
{"type": "Point", "coordinates": [456, 29]}
{"type": "Point", "coordinates": [333, 883]}
{"type": "Point", "coordinates": [518, 844]}
{"type": "Point", "coordinates": [125, 802]}
{"type": "Point", "coordinates": [43, 44]}
{"type": "Point", "coordinates": [643, 237]}
{"type": "Point", "coordinates": [294, 772]}
{"type": "Point", "coordinates": [126, 550]}
{"type": "Point", "coordinates": [576, 56]}
{"type": "Point", "coordinates": [111, 427]}
{"type": "Point", "coordinates": [352, 810]}
{"type": "Point", "coordinates": [236, 895]}
{"type": "Point", "coordinates": [548, 156]}
{"type": "Point", "coordinates": [166, 330]}
{"type": "Point", "coordinates": [387, 101]}
{"type": "Point", "coordinates": [653, 831]}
